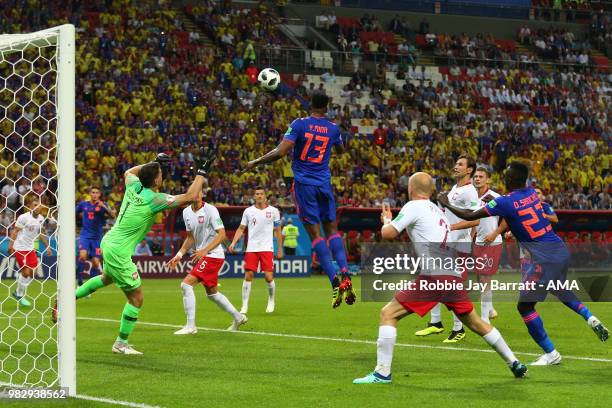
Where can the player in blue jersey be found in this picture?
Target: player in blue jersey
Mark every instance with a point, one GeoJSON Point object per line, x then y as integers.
{"type": "Point", "coordinates": [312, 138]}
{"type": "Point", "coordinates": [95, 212]}
{"type": "Point", "coordinates": [524, 213]}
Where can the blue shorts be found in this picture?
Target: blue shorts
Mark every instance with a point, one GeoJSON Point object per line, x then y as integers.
{"type": "Point", "coordinates": [92, 246]}
{"type": "Point", "coordinates": [542, 274]}
{"type": "Point", "coordinates": [314, 204]}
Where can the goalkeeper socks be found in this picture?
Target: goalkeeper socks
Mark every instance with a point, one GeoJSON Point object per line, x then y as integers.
{"type": "Point", "coordinates": [324, 257]}
{"type": "Point", "coordinates": [435, 314]}
{"type": "Point", "coordinates": [384, 349]}
{"type": "Point", "coordinates": [579, 308]}
{"type": "Point", "coordinates": [128, 321]}
{"type": "Point", "coordinates": [189, 303]}
{"type": "Point", "coordinates": [337, 248]}
{"type": "Point", "coordinates": [22, 285]}
{"type": "Point", "coordinates": [271, 290]}
{"type": "Point", "coordinates": [535, 327]}
{"type": "Point", "coordinates": [246, 293]}
{"type": "Point", "coordinates": [224, 304]}
{"type": "Point", "coordinates": [89, 287]}
{"type": "Point", "coordinates": [495, 340]}
{"type": "Point", "coordinates": [457, 324]}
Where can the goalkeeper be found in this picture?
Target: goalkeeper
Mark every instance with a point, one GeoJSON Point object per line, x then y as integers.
{"type": "Point", "coordinates": [141, 202]}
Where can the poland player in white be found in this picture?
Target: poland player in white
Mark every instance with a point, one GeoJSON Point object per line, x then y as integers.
{"type": "Point", "coordinates": [483, 248]}
{"type": "Point", "coordinates": [426, 224]}
{"type": "Point", "coordinates": [204, 229]}
{"type": "Point", "coordinates": [28, 228]}
{"type": "Point", "coordinates": [263, 223]}
{"type": "Point", "coordinates": [463, 195]}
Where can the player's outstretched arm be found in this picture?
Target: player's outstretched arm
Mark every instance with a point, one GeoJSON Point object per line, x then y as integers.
{"type": "Point", "coordinates": [464, 225]}
{"type": "Point", "coordinates": [467, 215]}
{"type": "Point", "coordinates": [388, 231]}
{"type": "Point", "coordinates": [239, 233]}
{"type": "Point", "coordinates": [187, 245]}
{"type": "Point", "coordinates": [279, 151]}
{"type": "Point", "coordinates": [203, 164]}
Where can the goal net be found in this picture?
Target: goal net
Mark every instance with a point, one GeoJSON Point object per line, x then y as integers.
{"type": "Point", "coordinates": [37, 166]}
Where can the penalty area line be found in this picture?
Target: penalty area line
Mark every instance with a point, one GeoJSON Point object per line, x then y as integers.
{"type": "Point", "coordinates": [341, 340]}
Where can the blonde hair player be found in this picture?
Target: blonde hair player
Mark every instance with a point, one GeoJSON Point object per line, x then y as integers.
{"type": "Point", "coordinates": [427, 224]}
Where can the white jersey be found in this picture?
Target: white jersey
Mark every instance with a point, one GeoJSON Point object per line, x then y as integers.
{"type": "Point", "coordinates": [427, 227]}
{"type": "Point", "coordinates": [30, 228]}
{"type": "Point", "coordinates": [489, 224]}
{"type": "Point", "coordinates": [204, 224]}
{"type": "Point", "coordinates": [260, 224]}
{"type": "Point", "coordinates": [465, 197]}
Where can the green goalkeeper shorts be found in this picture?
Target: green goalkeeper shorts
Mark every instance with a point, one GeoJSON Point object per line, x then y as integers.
{"type": "Point", "coordinates": [119, 267]}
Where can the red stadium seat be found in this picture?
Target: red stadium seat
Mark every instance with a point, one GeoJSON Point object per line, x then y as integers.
{"type": "Point", "coordinates": [597, 236]}
{"type": "Point", "coordinates": [368, 236]}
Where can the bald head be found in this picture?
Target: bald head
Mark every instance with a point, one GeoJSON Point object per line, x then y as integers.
{"type": "Point", "coordinates": [420, 185]}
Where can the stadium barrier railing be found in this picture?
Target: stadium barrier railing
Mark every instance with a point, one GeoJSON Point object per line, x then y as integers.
{"type": "Point", "coordinates": [518, 10]}
{"type": "Point", "coordinates": [297, 60]}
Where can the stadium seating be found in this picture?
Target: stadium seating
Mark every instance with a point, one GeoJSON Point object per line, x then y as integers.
{"type": "Point", "coordinates": [196, 91]}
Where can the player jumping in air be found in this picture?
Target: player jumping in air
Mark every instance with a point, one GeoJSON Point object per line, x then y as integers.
{"type": "Point", "coordinates": [262, 221]}
{"type": "Point", "coordinates": [428, 228]}
{"type": "Point", "coordinates": [141, 202]}
{"type": "Point", "coordinates": [464, 195]}
{"type": "Point", "coordinates": [94, 213]}
{"type": "Point", "coordinates": [312, 138]}
{"type": "Point", "coordinates": [204, 229]}
{"type": "Point", "coordinates": [28, 228]}
{"type": "Point", "coordinates": [523, 212]}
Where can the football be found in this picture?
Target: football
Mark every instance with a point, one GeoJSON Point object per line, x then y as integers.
{"type": "Point", "coordinates": [269, 79]}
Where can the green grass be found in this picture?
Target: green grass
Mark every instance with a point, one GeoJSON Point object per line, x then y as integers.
{"type": "Point", "coordinates": [220, 369]}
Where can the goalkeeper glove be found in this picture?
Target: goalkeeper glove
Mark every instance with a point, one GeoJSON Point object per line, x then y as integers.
{"type": "Point", "coordinates": [205, 160]}
{"type": "Point", "coordinates": [164, 161]}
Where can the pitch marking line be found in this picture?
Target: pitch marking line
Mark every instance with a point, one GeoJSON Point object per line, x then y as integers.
{"type": "Point", "coordinates": [115, 402]}
{"type": "Point", "coordinates": [307, 337]}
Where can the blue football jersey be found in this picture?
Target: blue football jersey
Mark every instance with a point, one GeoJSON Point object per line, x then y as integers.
{"type": "Point", "coordinates": [94, 217]}
{"type": "Point", "coordinates": [313, 139]}
{"type": "Point", "coordinates": [523, 212]}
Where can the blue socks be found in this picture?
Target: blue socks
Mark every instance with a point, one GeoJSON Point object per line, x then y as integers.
{"type": "Point", "coordinates": [324, 257]}
{"type": "Point", "coordinates": [81, 265]}
{"type": "Point", "coordinates": [579, 308]}
{"type": "Point", "coordinates": [535, 326]}
{"type": "Point", "coordinates": [337, 248]}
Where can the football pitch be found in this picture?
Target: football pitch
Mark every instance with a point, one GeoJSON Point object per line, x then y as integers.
{"type": "Point", "coordinates": [306, 354]}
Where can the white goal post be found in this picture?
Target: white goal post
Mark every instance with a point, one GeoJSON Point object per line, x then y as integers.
{"type": "Point", "coordinates": [37, 123]}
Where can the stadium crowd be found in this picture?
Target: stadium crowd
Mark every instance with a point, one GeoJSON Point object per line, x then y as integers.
{"type": "Point", "coordinates": [146, 84]}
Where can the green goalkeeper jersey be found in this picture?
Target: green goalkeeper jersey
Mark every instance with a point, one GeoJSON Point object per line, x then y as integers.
{"type": "Point", "coordinates": [136, 217]}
